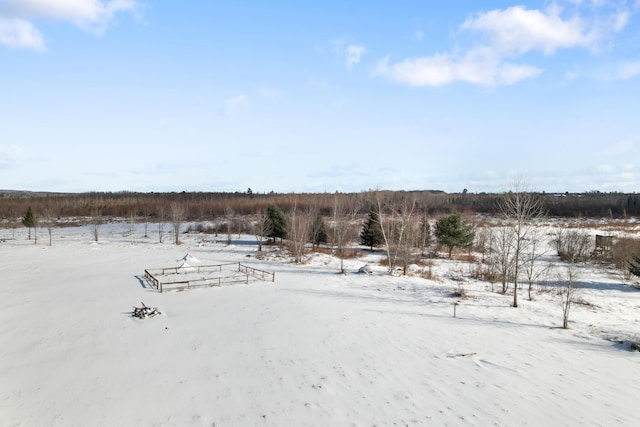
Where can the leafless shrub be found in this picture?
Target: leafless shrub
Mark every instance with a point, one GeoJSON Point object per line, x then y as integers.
{"type": "Point", "coordinates": [427, 272]}
{"type": "Point", "coordinates": [459, 291]}
{"type": "Point", "coordinates": [574, 246]}
{"type": "Point", "coordinates": [622, 255]}
{"type": "Point", "coordinates": [584, 302]}
{"type": "Point", "coordinates": [351, 253]}
{"type": "Point", "coordinates": [545, 287]}
{"type": "Point", "coordinates": [322, 250]}
{"type": "Point", "coordinates": [485, 273]}
{"type": "Point", "coordinates": [465, 257]}
{"type": "Point", "coordinates": [202, 228]}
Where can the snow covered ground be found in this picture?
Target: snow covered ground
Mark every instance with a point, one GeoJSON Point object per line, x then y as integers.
{"type": "Point", "coordinates": [315, 348]}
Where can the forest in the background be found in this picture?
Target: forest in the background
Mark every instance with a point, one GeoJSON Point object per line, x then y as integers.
{"type": "Point", "coordinates": [206, 206]}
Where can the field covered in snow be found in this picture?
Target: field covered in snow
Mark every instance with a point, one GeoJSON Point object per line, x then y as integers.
{"type": "Point", "coordinates": [313, 348]}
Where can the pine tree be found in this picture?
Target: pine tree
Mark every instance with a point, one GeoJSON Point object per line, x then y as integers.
{"type": "Point", "coordinates": [318, 233]}
{"type": "Point", "coordinates": [29, 220]}
{"type": "Point", "coordinates": [371, 234]}
{"type": "Point", "coordinates": [278, 221]}
{"type": "Point", "coordinates": [453, 231]}
{"type": "Point", "coordinates": [635, 268]}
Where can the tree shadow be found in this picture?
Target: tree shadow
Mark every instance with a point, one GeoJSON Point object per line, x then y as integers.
{"type": "Point", "coordinates": [598, 286]}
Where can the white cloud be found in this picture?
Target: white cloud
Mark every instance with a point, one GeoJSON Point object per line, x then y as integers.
{"type": "Point", "coordinates": [620, 20]}
{"type": "Point", "coordinates": [19, 34]}
{"type": "Point", "coordinates": [628, 70]}
{"type": "Point", "coordinates": [235, 103]}
{"type": "Point", "coordinates": [509, 74]}
{"type": "Point", "coordinates": [354, 54]}
{"type": "Point", "coordinates": [506, 34]}
{"type": "Point", "coordinates": [442, 69]}
{"type": "Point", "coordinates": [418, 35]}
{"type": "Point", "coordinates": [351, 54]}
{"type": "Point", "coordinates": [90, 15]}
{"type": "Point", "coordinates": [518, 30]}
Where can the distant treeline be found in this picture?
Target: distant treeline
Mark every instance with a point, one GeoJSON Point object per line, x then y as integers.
{"type": "Point", "coordinates": [202, 206]}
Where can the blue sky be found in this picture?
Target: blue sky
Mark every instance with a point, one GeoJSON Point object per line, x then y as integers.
{"type": "Point", "coordinates": [171, 95]}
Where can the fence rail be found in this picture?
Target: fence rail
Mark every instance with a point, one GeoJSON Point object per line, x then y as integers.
{"type": "Point", "coordinates": [173, 278]}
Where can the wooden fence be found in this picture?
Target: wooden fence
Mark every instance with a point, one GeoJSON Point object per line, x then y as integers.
{"type": "Point", "coordinates": [197, 276]}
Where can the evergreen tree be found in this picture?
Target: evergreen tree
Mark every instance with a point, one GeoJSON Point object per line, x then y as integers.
{"type": "Point", "coordinates": [635, 268]}
{"type": "Point", "coordinates": [278, 221]}
{"type": "Point", "coordinates": [318, 233]}
{"type": "Point", "coordinates": [29, 220]}
{"type": "Point", "coordinates": [453, 231]}
{"type": "Point", "coordinates": [371, 234]}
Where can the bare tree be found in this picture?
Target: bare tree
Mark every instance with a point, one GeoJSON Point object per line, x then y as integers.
{"type": "Point", "coordinates": [96, 222]}
{"type": "Point", "coordinates": [404, 236]}
{"type": "Point", "coordinates": [230, 219]}
{"type": "Point", "coordinates": [531, 255]}
{"type": "Point", "coordinates": [567, 290]}
{"type": "Point", "coordinates": [483, 242]}
{"type": "Point", "coordinates": [425, 233]}
{"type": "Point", "coordinates": [49, 219]}
{"type": "Point", "coordinates": [520, 208]}
{"type": "Point", "coordinates": [575, 247]}
{"type": "Point", "coordinates": [567, 274]}
{"type": "Point", "coordinates": [501, 257]}
{"type": "Point", "coordinates": [11, 218]}
{"type": "Point", "coordinates": [132, 227]}
{"type": "Point", "coordinates": [145, 214]}
{"type": "Point", "coordinates": [178, 214]}
{"type": "Point", "coordinates": [161, 221]}
{"type": "Point", "coordinates": [298, 232]}
{"type": "Point", "coordinates": [262, 228]}
{"type": "Point", "coordinates": [396, 228]}
{"type": "Point", "coordinates": [345, 211]}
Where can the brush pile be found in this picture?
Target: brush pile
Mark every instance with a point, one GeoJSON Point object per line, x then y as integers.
{"type": "Point", "coordinates": [144, 311]}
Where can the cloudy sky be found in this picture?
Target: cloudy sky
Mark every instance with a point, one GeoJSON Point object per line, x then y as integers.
{"type": "Point", "coordinates": [168, 95]}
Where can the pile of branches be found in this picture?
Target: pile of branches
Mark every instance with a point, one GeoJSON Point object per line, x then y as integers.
{"type": "Point", "coordinates": [144, 311]}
